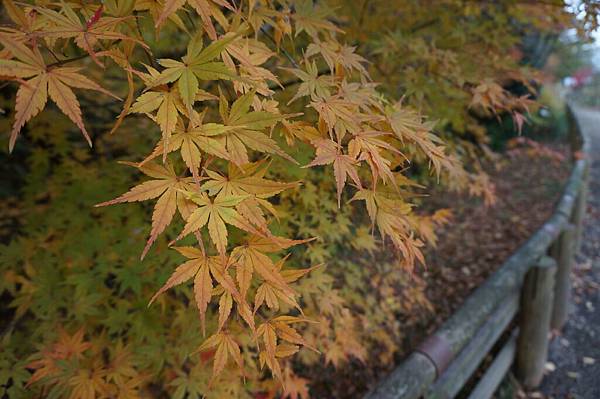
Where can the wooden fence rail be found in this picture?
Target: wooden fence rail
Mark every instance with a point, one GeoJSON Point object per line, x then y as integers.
{"type": "Point", "coordinates": [446, 360]}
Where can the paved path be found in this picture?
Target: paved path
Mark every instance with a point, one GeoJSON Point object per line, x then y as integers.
{"type": "Point", "coordinates": [575, 355]}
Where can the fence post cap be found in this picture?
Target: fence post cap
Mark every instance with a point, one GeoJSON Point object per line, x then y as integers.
{"type": "Point", "coordinates": [546, 262]}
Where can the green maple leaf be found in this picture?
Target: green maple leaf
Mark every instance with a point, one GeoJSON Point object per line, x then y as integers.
{"type": "Point", "coordinates": [198, 63]}
{"type": "Point", "coordinates": [247, 129]}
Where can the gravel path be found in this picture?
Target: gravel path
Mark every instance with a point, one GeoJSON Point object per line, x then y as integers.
{"type": "Point", "coordinates": [573, 369]}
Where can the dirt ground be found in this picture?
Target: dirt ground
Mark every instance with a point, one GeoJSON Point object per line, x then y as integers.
{"type": "Point", "coordinates": [479, 238]}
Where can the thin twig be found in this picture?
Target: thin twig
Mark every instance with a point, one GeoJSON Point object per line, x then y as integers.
{"type": "Point", "coordinates": [50, 51]}
{"type": "Point", "coordinates": [284, 51]}
{"type": "Point", "coordinates": [63, 62]}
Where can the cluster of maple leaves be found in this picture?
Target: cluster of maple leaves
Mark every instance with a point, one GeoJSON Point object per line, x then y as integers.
{"type": "Point", "coordinates": [257, 80]}
{"type": "Point", "coordinates": [356, 131]}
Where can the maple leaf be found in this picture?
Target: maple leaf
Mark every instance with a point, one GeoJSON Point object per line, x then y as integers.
{"type": "Point", "coordinates": [196, 267]}
{"type": "Point", "coordinates": [167, 187]}
{"type": "Point", "coordinates": [24, 22]}
{"type": "Point", "coordinates": [89, 384]}
{"type": "Point", "coordinates": [329, 152]}
{"type": "Point", "coordinates": [490, 96]}
{"type": "Point", "coordinates": [250, 258]}
{"type": "Point", "coordinates": [408, 125]}
{"type": "Point", "coordinates": [247, 129]}
{"type": "Point", "coordinates": [313, 84]}
{"type": "Point", "coordinates": [219, 268]}
{"type": "Point", "coordinates": [274, 329]}
{"type": "Point", "coordinates": [348, 58]}
{"type": "Point", "coordinates": [32, 94]}
{"type": "Point", "coordinates": [205, 8]}
{"type": "Point", "coordinates": [85, 34]}
{"type": "Point", "coordinates": [268, 356]}
{"type": "Point", "coordinates": [335, 54]}
{"type": "Point", "coordinates": [215, 213]}
{"type": "Point", "coordinates": [182, 273]}
{"type": "Point", "coordinates": [121, 58]}
{"type": "Point", "coordinates": [247, 180]}
{"type": "Point", "coordinates": [368, 144]}
{"type": "Point", "coordinates": [518, 120]}
{"type": "Point", "coordinates": [391, 214]}
{"type": "Point", "coordinates": [121, 367]}
{"type": "Point", "coordinates": [155, 8]}
{"type": "Point", "coordinates": [205, 271]}
{"type": "Point", "coordinates": [250, 53]}
{"type": "Point", "coordinates": [191, 142]}
{"type": "Point", "coordinates": [271, 293]}
{"type": "Point", "coordinates": [364, 95]}
{"type": "Point", "coordinates": [311, 19]}
{"type": "Point", "coordinates": [226, 347]}
{"type": "Point", "coordinates": [166, 101]}
{"type": "Point", "coordinates": [198, 63]}
{"type": "Point", "coordinates": [302, 131]}
{"type": "Point", "coordinates": [339, 115]}
{"type": "Point", "coordinates": [294, 387]}
{"type": "Point", "coordinates": [66, 347]}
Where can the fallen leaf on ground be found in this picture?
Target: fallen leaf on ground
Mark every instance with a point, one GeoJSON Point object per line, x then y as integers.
{"type": "Point", "coordinates": [588, 360]}
{"type": "Point", "coordinates": [572, 374]}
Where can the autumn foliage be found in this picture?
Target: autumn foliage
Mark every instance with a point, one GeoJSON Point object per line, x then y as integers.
{"type": "Point", "coordinates": [282, 133]}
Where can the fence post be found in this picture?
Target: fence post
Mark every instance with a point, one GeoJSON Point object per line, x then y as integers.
{"type": "Point", "coordinates": [580, 208]}
{"type": "Point", "coordinates": [562, 252]}
{"type": "Point", "coordinates": [534, 322]}
{"type": "Point", "coordinates": [578, 148]}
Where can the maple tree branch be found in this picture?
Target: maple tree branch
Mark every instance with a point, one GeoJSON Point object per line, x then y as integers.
{"type": "Point", "coordinates": [151, 59]}
{"type": "Point", "coordinates": [284, 51]}
{"type": "Point", "coordinates": [68, 60]}
{"type": "Point", "coordinates": [363, 9]}
{"type": "Point", "coordinates": [50, 51]}
{"type": "Point", "coordinates": [296, 81]}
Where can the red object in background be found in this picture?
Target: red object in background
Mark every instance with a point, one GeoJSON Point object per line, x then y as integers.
{"type": "Point", "coordinates": [582, 76]}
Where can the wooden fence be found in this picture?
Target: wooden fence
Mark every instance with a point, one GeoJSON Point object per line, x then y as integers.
{"type": "Point", "coordinates": [533, 285]}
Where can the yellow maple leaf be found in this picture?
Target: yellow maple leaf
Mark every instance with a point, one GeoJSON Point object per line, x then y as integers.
{"type": "Point", "coordinates": [167, 187]}
{"type": "Point", "coordinates": [215, 213]}
{"type": "Point", "coordinates": [44, 81]}
{"type": "Point", "coordinates": [205, 8]}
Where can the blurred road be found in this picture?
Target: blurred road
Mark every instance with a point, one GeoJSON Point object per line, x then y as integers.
{"type": "Point", "coordinates": [573, 368]}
